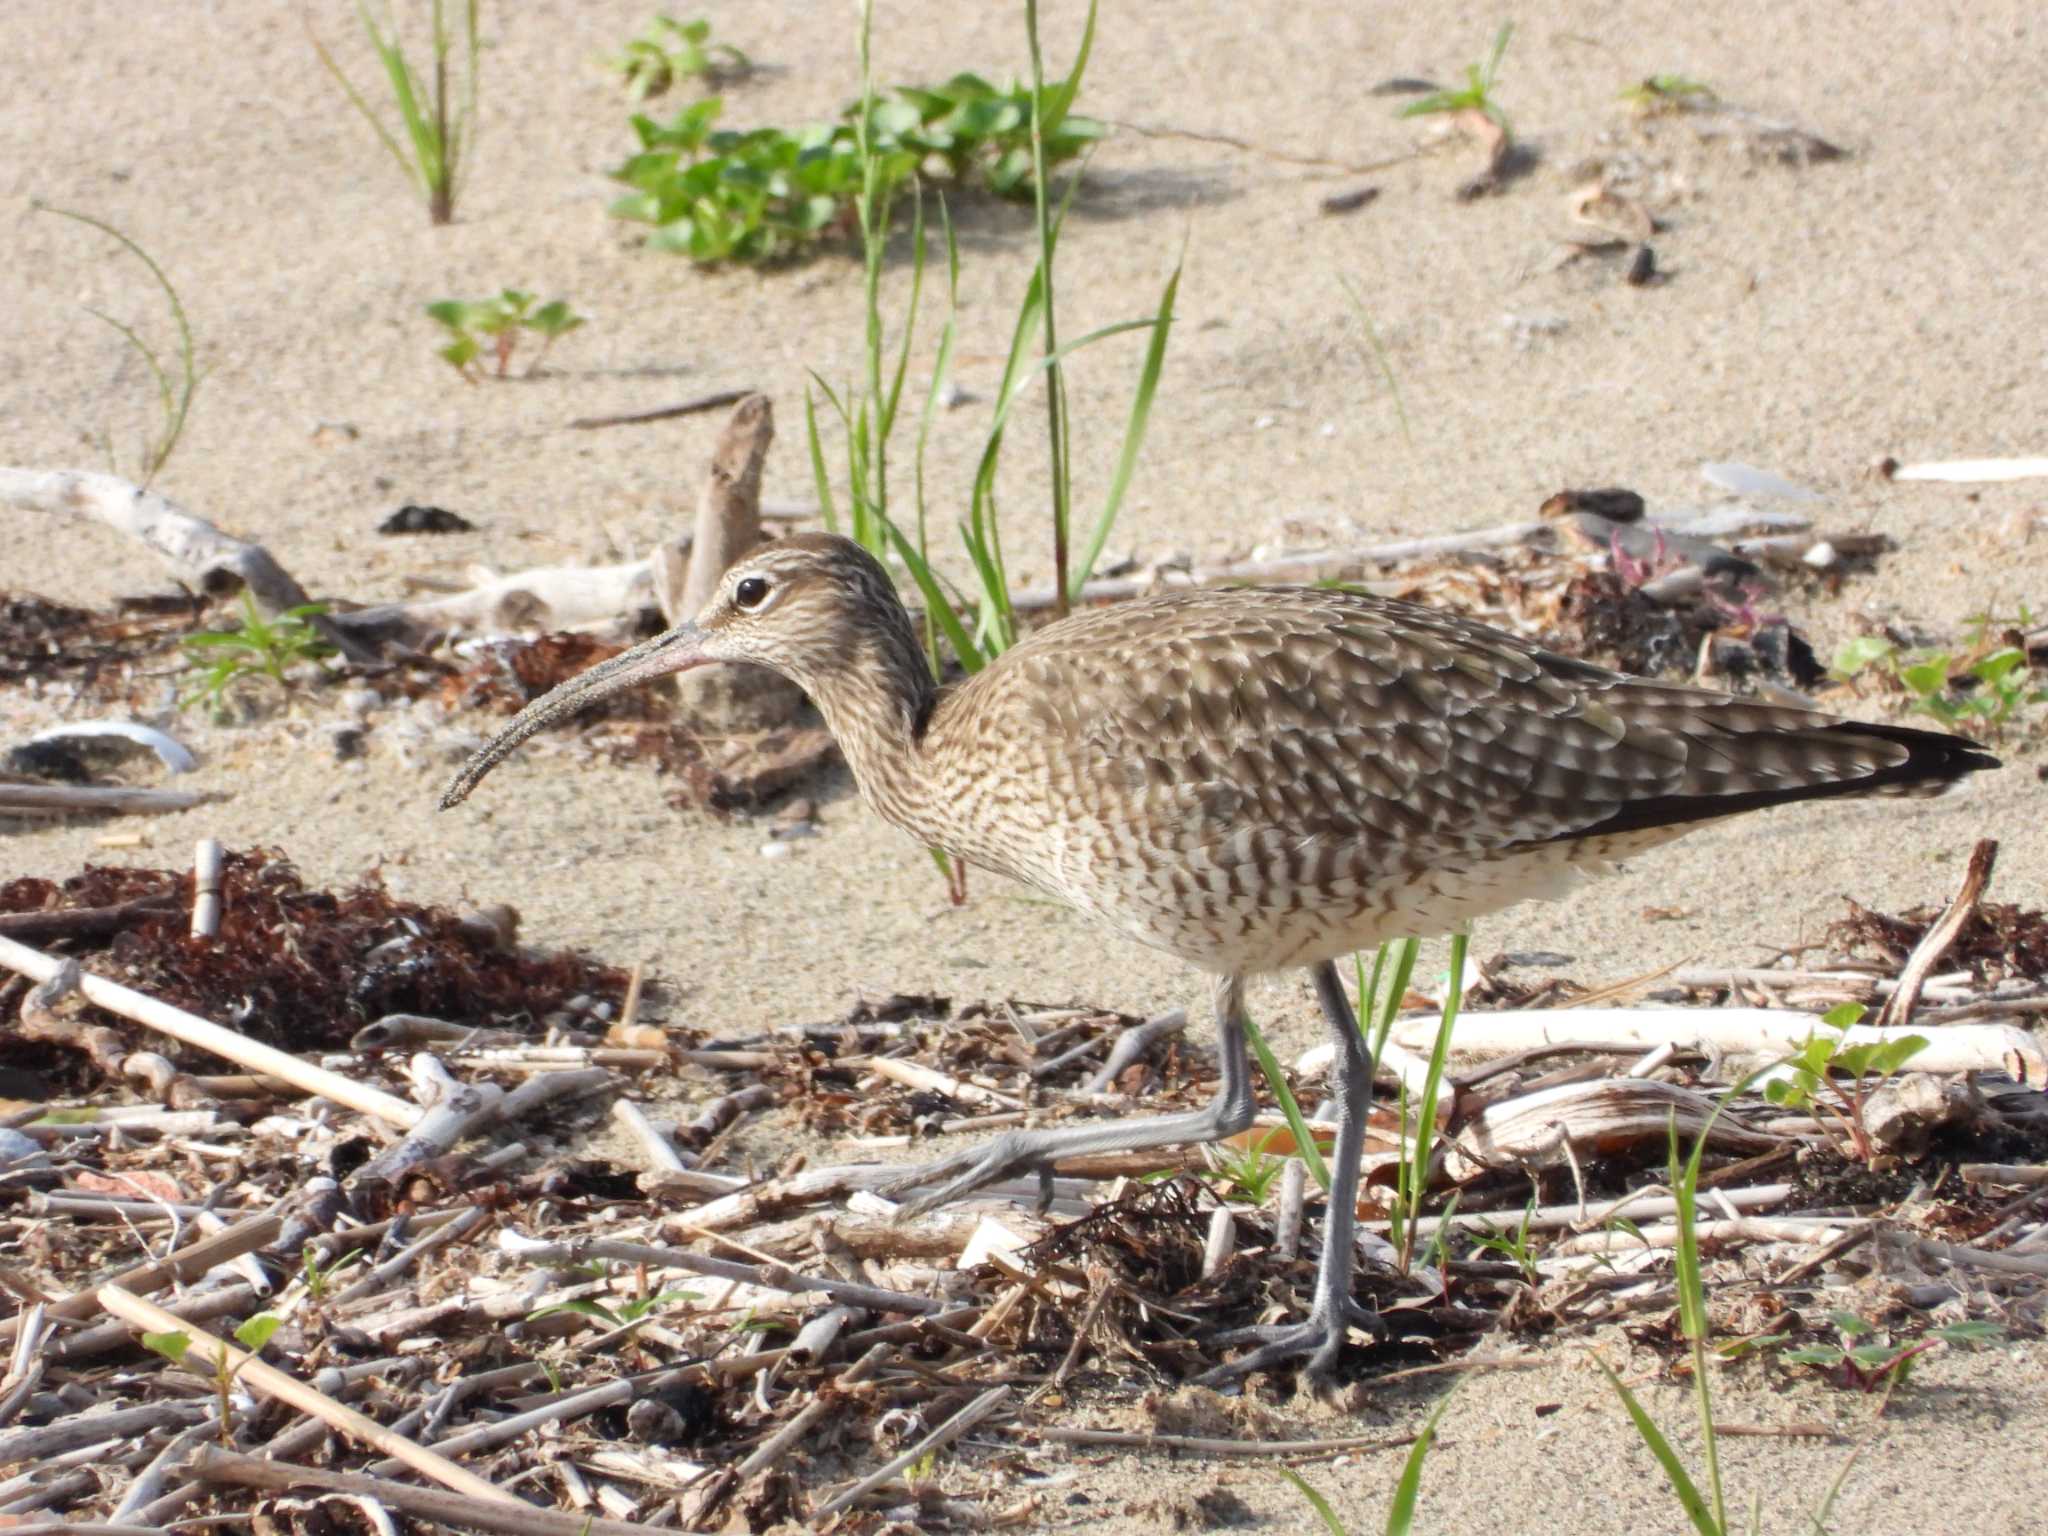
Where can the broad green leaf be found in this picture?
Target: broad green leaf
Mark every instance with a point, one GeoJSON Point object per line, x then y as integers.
{"type": "Point", "coordinates": [256, 1332]}
{"type": "Point", "coordinates": [172, 1346]}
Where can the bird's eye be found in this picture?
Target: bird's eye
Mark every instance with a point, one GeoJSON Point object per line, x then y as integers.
{"type": "Point", "coordinates": [752, 591]}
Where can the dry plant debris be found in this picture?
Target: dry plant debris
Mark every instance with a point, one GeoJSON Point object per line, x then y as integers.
{"type": "Point", "coordinates": [468, 1284]}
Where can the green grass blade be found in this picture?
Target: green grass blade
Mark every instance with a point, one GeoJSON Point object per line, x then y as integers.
{"type": "Point", "coordinates": [1134, 433]}
{"type": "Point", "coordinates": [1379, 353]}
{"type": "Point", "coordinates": [1316, 1502]}
{"type": "Point", "coordinates": [1674, 1471]}
{"type": "Point", "coordinates": [936, 608]}
{"type": "Point", "coordinates": [1304, 1143]}
{"type": "Point", "coordinates": [1424, 1145]}
{"type": "Point", "coordinates": [1401, 1513]}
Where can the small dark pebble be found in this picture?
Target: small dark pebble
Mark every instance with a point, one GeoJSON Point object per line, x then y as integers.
{"type": "Point", "coordinates": [1349, 202]}
{"type": "Point", "coordinates": [1615, 503]}
{"type": "Point", "coordinates": [1545, 1410]}
{"type": "Point", "coordinates": [1404, 85]}
{"type": "Point", "coordinates": [347, 741]}
{"type": "Point", "coordinates": [417, 519]}
{"type": "Point", "coordinates": [1642, 267]}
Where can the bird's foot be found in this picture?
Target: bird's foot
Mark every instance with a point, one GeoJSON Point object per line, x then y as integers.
{"type": "Point", "coordinates": [970, 1169]}
{"type": "Point", "coordinates": [1320, 1340]}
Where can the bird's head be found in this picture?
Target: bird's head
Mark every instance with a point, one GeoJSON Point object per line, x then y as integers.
{"type": "Point", "coordinates": [808, 607]}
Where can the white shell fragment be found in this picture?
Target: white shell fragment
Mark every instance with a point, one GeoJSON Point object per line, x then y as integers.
{"type": "Point", "coordinates": [174, 755]}
{"type": "Point", "coordinates": [1972, 471]}
{"type": "Point", "coordinates": [1746, 480]}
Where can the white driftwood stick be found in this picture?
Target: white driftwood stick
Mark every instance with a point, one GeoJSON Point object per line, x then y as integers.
{"type": "Point", "coordinates": [191, 546]}
{"type": "Point", "coordinates": [1743, 1229]}
{"type": "Point", "coordinates": [1638, 1205]}
{"type": "Point", "coordinates": [206, 866]}
{"type": "Point", "coordinates": [1554, 1125]}
{"type": "Point", "coordinates": [551, 597]}
{"type": "Point", "coordinates": [661, 1153]}
{"type": "Point", "coordinates": [268, 1379]}
{"type": "Point", "coordinates": [207, 1036]}
{"type": "Point", "coordinates": [61, 799]}
{"type": "Point", "coordinates": [1749, 1031]}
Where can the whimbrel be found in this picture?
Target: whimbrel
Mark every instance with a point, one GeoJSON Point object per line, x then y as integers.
{"type": "Point", "coordinates": [1253, 780]}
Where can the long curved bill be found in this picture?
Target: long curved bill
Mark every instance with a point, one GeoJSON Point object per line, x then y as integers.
{"type": "Point", "coordinates": [677, 650]}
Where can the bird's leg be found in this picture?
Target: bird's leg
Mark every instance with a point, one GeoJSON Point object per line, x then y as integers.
{"type": "Point", "coordinates": [1332, 1312]}
{"type": "Point", "coordinates": [1036, 1151]}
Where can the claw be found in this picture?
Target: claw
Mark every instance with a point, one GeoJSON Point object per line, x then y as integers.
{"type": "Point", "coordinates": [1320, 1339]}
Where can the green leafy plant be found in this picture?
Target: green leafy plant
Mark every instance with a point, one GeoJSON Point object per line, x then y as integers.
{"type": "Point", "coordinates": [1866, 1358]}
{"type": "Point", "coordinates": [1812, 1069]}
{"type": "Point", "coordinates": [437, 117]}
{"type": "Point", "coordinates": [1516, 1247]}
{"type": "Point", "coordinates": [1401, 1512]}
{"type": "Point", "coordinates": [716, 194]}
{"type": "Point", "coordinates": [176, 383]}
{"type": "Point", "coordinates": [1668, 93]}
{"type": "Point", "coordinates": [263, 648]}
{"type": "Point", "coordinates": [1476, 95]}
{"type": "Point", "coordinates": [495, 325]}
{"type": "Point", "coordinates": [624, 1314]}
{"type": "Point", "coordinates": [1980, 688]}
{"type": "Point", "coordinates": [251, 1335]}
{"type": "Point", "coordinates": [669, 51]}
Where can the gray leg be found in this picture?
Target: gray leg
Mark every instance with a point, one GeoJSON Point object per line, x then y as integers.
{"type": "Point", "coordinates": [1036, 1151]}
{"type": "Point", "coordinates": [1332, 1312]}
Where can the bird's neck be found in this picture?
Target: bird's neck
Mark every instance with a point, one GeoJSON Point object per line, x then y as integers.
{"type": "Point", "coordinates": [876, 702]}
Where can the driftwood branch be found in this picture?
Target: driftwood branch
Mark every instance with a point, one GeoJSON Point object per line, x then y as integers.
{"type": "Point", "coordinates": [197, 551]}
{"type": "Point", "coordinates": [208, 1036]}
{"type": "Point", "coordinates": [269, 1380]}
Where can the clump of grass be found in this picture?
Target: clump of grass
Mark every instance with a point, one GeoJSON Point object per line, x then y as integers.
{"type": "Point", "coordinates": [176, 383]}
{"type": "Point", "coordinates": [437, 116]}
{"type": "Point", "coordinates": [1476, 95]}
{"type": "Point", "coordinates": [669, 51]}
{"type": "Point", "coordinates": [262, 649]}
{"type": "Point", "coordinates": [1401, 1512]}
{"type": "Point", "coordinates": [497, 324]}
{"type": "Point", "coordinates": [1980, 688]}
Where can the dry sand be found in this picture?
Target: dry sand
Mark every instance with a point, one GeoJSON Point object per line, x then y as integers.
{"type": "Point", "coordinates": [1813, 320]}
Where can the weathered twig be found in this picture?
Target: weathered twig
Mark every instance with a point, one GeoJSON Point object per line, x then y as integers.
{"type": "Point", "coordinates": [121, 799]}
{"type": "Point", "coordinates": [768, 1277]}
{"type": "Point", "coordinates": [195, 1031]}
{"type": "Point", "coordinates": [939, 1438]}
{"type": "Point", "coordinates": [1752, 1031]}
{"type": "Point", "coordinates": [516, 1518]}
{"type": "Point", "coordinates": [1945, 930]}
{"type": "Point", "coordinates": [272, 1382]}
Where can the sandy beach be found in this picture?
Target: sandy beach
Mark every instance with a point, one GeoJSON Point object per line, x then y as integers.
{"type": "Point", "coordinates": [1812, 319]}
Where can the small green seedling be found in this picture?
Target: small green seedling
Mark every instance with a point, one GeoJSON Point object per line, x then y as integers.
{"type": "Point", "coordinates": [1867, 1359]}
{"type": "Point", "coordinates": [319, 1278]}
{"type": "Point", "coordinates": [263, 648]}
{"type": "Point", "coordinates": [438, 125]}
{"type": "Point", "coordinates": [496, 325]}
{"type": "Point", "coordinates": [625, 1314]}
{"type": "Point", "coordinates": [175, 384]}
{"type": "Point", "coordinates": [252, 1336]}
{"type": "Point", "coordinates": [670, 51]}
{"type": "Point", "coordinates": [1516, 1249]}
{"type": "Point", "coordinates": [1669, 93]}
{"type": "Point", "coordinates": [1477, 93]}
{"type": "Point", "coordinates": [1814, 1066]}
{"type": "Point", "coordinates": [1980, 688]}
